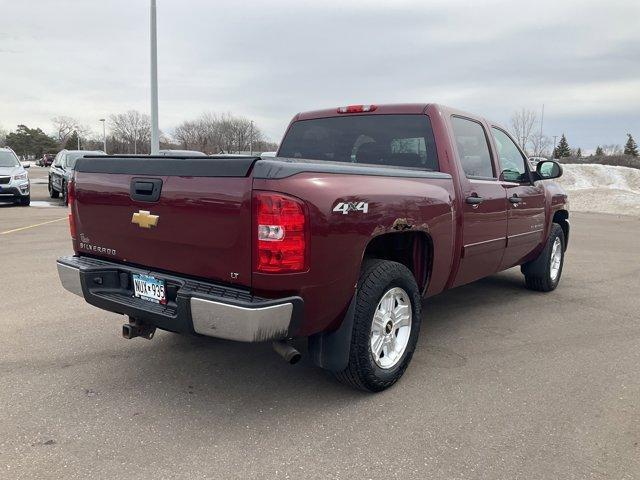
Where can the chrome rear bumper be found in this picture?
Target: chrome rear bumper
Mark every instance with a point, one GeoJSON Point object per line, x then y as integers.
{"type": "Point", "coordinates": [224, 313]}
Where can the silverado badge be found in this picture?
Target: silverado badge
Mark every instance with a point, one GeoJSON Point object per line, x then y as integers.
{"type": "Point", "coordinates": [144, 219]}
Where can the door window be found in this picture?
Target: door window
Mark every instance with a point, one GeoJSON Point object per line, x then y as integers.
{"type": "Point", "coordinates": [473, 148]}
{"type": "Point", "coordinates": [512, 163]}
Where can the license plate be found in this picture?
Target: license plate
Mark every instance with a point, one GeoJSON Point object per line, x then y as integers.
{"type": "Point", "coordinates": [149, 288]}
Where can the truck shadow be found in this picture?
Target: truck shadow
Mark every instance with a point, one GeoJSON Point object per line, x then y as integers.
{"type": "Point", "coordinates": [236, 379]}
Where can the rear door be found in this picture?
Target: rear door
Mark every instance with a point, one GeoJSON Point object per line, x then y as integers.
{"type": "Point", "coordinates": [525, 201]}
{"type": "Point", "coordinates": [484, 206]}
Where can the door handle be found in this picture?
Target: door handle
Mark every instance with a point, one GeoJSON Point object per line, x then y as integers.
{"type": "Point", "coordinates": [474, 200]}
{"type": "Point", "coordinates": [145, 189]}
{"type": "Point", "coordinates": [515, 199]}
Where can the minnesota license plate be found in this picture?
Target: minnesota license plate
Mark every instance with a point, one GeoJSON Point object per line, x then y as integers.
{"type": "Point", "coordinates": [149, 288]}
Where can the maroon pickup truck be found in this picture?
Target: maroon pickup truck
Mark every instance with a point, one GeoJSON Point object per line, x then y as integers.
{"type": "Point", "coordinates": [365, 211]}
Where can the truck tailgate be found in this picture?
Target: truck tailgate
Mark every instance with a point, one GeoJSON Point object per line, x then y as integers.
{"type": "Point", "coordinates": [200, 224]}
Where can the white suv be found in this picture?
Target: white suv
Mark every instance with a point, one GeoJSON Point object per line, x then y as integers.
{"type": "Point", "coordinates": [14, 179]}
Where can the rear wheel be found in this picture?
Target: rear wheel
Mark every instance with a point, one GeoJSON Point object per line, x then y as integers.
{"type": "Point", "coordinates": [543, 274]}
{"type": "Point", "coordinates": [386, 326]}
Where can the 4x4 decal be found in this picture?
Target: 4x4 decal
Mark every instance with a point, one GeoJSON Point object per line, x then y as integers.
{"type": "Point", "coordinates": [346, 207]}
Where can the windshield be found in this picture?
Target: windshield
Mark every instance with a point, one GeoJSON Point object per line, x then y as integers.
{"type": "Point", "coordinates": [73, 156]}
{"type": "Point", "coordinates": [8, 159]}
{"type": "Point", "coordinates": [399, 140]}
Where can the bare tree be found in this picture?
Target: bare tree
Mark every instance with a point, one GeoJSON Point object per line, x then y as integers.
{"type": "Point", "coordinates": [3, 136]}
{"type": "Point", "coordinates": [612, 150]}
{"type": "Point", "coordinates": [214, 133]}
{"type": "Point", "coordinates": [65, 127]}
{"type": "Point", "coordinates": [132, 130]}
{"type": "Point", "coordinates": [540, 145]}
{"type": "Point", "coordinates": [523, 123]}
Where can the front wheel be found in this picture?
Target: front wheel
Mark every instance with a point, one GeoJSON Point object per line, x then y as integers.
{"type": "Point", "coordinates": [53, 193]}
{"type": "Point", "coordinates": [543, 274]}
{"type": "Point", "coordinates": [385, 328]}
{"type": "Point", "coordinates": [65, 198]}
{"type": "Point", "coordinates": [25, 201]}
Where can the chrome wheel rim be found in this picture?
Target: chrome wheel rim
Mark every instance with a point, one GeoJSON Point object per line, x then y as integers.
{"type": "Point", "coordinates": [391, 328]}
{"type": "Point", "coordinates": [556, 259]}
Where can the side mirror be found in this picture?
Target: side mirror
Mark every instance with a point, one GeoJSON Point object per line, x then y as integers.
{"type": "Point", "coordinates": [26, 165]}
{"type": "Point", "coordinates": [548, 169]}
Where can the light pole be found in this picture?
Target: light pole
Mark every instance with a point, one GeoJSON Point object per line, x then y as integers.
{"type": "Point", "coordinates": [155, 137]}
{"type": "Point", "coordinates": [104, 136]}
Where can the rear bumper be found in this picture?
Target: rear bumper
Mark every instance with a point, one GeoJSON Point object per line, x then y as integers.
{"type": "Point", "coordinates": [193, 306]}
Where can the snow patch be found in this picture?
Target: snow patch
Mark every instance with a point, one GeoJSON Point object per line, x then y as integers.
{"type": "Point", "coordinates": [602, 188]}
{"type": "Point", "coordinates": [44, 204]}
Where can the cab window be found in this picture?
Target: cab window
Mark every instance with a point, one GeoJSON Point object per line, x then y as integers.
{"type": "Point", "coordinates": [473, 148]}
{"type": "Point", "coordinates": [512, 162]}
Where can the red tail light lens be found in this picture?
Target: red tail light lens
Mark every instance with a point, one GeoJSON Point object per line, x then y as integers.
{"type": "Point", "coordinates": [281, 243]}
{"type": "Point", "coordinates": [71, 198]}
{"type": "Point", "coordinates": [357, 109]}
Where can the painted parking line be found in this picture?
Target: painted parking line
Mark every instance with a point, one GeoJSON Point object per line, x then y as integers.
{"type": "Point", "coordinates": [32, 226]}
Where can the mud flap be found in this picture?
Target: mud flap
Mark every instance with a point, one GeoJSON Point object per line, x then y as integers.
{"type": "Point", "coordinates": [331, 350]}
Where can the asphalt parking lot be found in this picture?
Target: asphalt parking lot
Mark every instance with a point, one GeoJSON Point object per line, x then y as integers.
{"type": "Point", "coordinates": [506, 383]}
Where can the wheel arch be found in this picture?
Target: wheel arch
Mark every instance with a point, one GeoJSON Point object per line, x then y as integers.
{"type": "Point", "coordinates": [413, 249]}
{"type": "Point", "coordinates": [561, 217]}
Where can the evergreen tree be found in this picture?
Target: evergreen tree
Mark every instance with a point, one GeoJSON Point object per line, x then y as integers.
{"type": "Point", "coordinates": [72, 142]}
{"type": "Point", "coordinates": [599, 151]}
{"type": "Point", "coordinates": [631, 148]}
{"type": "Point", "coordinates": [562, 150]}
{"type": "Point", "coordinates": [27, 141]}
{"type": "Point", "coordinates": [579, 153]}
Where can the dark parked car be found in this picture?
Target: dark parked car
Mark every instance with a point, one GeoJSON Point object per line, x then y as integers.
{"type": "Point", "coordinates": [365, 211]}
{"type": "Point", "coordinates": [46, 160]}
{"type": "Point", "coordinates": [62, 169]}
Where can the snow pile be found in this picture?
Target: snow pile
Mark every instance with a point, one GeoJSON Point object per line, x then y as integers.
{"type": "Point", "coordinates": [602, 188]}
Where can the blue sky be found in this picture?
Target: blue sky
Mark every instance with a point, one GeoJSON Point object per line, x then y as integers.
{"type": "Point", "coordinates": [269, 60]}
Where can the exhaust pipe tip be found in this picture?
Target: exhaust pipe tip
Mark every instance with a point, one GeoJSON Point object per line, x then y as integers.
{"type": "Point", "coordinates": [287, 352]}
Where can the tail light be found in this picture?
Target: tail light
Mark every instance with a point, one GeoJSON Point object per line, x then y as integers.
{"type": "Point", "coordinates": [281, 230]}
{"type": "Point", "coordinates": [71, 198]}
{"type": "Point", "coordinates": [357, 109]}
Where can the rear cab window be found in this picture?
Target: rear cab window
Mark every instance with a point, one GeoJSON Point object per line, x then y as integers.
{"type": "Point", "coordinates": [392, 140]}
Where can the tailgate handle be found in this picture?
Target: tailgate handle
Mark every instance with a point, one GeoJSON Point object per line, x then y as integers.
{"type": "Point", "coordinates": [145, 189]}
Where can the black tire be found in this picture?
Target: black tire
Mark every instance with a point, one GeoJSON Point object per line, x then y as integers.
{"type": "Point", "coordinates": [376, 278]}
{"type": "Point", "coordinates": [25, 201]}
{"type": "Point", "coordinates": [537, 273]}
{"type": "Point", "coordinates": [65, 199]}
{"type": "Point", "coordinates": [52, 192]}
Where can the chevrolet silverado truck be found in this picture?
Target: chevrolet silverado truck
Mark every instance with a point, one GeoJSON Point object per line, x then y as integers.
{"type": "Point", "coordinates": [365, 211]}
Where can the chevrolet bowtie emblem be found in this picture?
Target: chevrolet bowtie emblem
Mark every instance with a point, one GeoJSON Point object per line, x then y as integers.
{"type": "Point", "coordinates": [144, 219]}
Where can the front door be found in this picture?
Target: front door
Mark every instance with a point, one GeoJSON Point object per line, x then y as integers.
{"type": "Point", "coordinates": [56, 171]}
{"type": "Point", "coordinates": [484, 229]}
{"type": "Point", "coordinates": [525, 201]}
